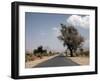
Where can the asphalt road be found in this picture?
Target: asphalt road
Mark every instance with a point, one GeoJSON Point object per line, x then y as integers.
{"type": "Point", "coordinates": [57, 61]}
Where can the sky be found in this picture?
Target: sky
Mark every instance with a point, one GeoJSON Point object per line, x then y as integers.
{"type": "Point", "coordinates": [44, 28]}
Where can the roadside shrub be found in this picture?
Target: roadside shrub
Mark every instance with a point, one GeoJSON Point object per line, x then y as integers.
{"type": "Point", "coordinates": [29, 57]}
{"type": "Point", "coordinates": [86, 53]}
{"type": "Point", "coordinates": [83, 53]}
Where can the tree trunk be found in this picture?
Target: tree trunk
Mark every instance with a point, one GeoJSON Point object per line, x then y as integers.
{"type": "Point", "coordinates": [66, 53]}
{"type": "Point", "coordinates": [71, 52]}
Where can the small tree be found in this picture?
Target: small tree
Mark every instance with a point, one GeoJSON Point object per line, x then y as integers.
{"type": "Point", "coordinates": [38, 52]}
{"type": "Point", "coordinates": [40, 49]}
{"type": "Point", "coordinates": [71, 38]}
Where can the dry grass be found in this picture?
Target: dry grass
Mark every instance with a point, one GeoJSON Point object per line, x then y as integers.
{"type": "Point", "coordinates": [31, 64]}
{"type": "Point", "coordinates": [80, 60]}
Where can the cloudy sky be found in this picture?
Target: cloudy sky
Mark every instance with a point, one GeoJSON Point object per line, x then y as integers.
{"type": "Point", "coordinates": [43, 29]}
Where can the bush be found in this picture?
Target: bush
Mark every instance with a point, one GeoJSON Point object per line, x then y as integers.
{"type": "Point", "coordinates": [86, 53]}
{"type": "Point", "coordinates": [29, 57]}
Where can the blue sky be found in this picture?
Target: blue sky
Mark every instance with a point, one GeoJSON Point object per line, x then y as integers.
{"type": "Point", "coordinates": [43, 29]}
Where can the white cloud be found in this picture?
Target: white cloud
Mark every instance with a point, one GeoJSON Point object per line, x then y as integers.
{"type": "Point", "coordinates": [86, 43]}
{"type": "Point", "coordinates": [56, 31]}
{"type": "Point", "coordinates": [55, 28]}
{"type": "Point", "coordinates": [78, 21]}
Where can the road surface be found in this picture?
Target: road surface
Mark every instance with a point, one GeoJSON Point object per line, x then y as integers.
{"type": "Point", "coordinates": [57, 61]}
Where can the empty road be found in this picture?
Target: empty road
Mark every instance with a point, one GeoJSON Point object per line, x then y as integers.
{"type": "Point", "coordinates": [57, 61]}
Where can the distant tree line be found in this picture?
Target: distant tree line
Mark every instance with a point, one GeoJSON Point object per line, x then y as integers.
{"type": "Point", "coordinates": [39, 51]}
{"type": "Point", "coordinates": [42, 52]}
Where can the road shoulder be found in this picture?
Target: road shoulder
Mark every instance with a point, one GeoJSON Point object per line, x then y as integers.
{"type": "Point", "coordinates": [80, 60]}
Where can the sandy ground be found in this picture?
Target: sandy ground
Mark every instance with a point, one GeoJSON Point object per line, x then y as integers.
{"type": "Point", "coordinates": [31, 64]}
{"type": "Point", "coordinates": [80, 60]}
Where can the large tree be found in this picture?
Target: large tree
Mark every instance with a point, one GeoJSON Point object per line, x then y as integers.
{"type": "Point", "coordinates": [71, 38]}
